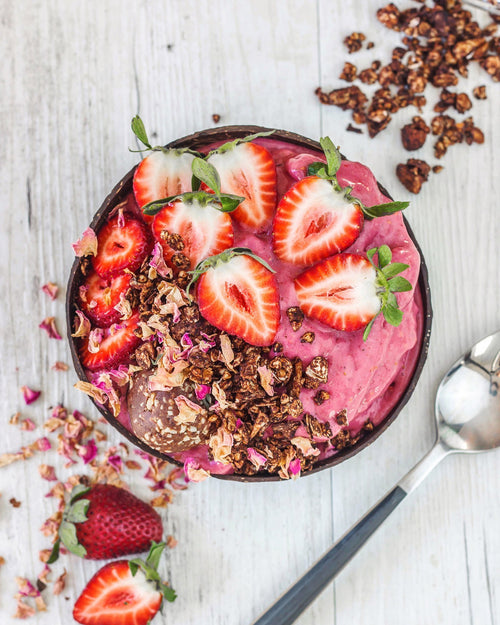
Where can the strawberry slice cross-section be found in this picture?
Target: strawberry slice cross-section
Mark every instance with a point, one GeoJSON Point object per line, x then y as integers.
{"type": "Point", "coordinates": [124, 593]}
{"type": "Point", "coordinates": [117, 343]}
{"type": "Point", "coordinates": [248, 170]}
{"type": "Point", "coordinates": [314, 221]}
{"type": "Point", "coordinates": [204, 229]}
{"type": "Point", "coordinates": [121, 244]}
{"type": "Point", "coordinates": [237, 293]}
{"type": "Point", "coordinates": [348, 291]}
{"type": "Point", "coordinates": [100, 296]}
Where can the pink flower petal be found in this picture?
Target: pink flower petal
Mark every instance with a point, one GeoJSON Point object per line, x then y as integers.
{"type": "Point", "coordinates": [86, 245]}
{"type": "Point", "coordinates": [88, 452]}
{"type": "Point", "coordinates": [202, 390]}
{"type": "Point", "coordinates": [29, 394]}
{"type": "Point", "coordinates": [43, 444]}
{"type": "Point", "coordinates": [81, 324]}
{"type": "Point", "coordinates": [49, 325]}
{"type": "Point", "coordinates": [60, 366]}
{"type": "Point", "coordinates": [158, 262]}
{"type": "Point", "coordinates": [51, 289]}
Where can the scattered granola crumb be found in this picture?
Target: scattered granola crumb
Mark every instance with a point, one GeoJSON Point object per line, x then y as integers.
{"type": "Point", "coordinates": [351, 128]}
{"type": "Point", "coordinates": [2, 560]}
{"type": "Point", "coordinates": [348, 72]}
{"type": "Point", "coordinates": [14, 502]}
{"type": "Point", "coordinates": [480, 92]}
{"type": "Point", "coordinates": [216, 118]}
{"type": "Point", "coordinates": [296, 317]}
{"type": "Point", "coordinates": [308, 337]}
{"type": "Point", "coordinates": [354, 42]}
{"type": "Point", "coordinates": [413, 174]}
{"type": "Point", "coordinates": [437, 168]}
{"type": "Point", "coordinates": [414, 135]}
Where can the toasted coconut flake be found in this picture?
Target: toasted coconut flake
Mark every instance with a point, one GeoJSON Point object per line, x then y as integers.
{"type": "Point", "coordinates": [47, 472]}
{"type": "Point", "coordinates": [29, 394]}
{"type": "Point", "coordinates": [158, 262]}
{"type": "Point", "coordinates": [60, 583]}
{"type": "Point", "coordinates": [92, 391]}
{"type": "Point", "coordinates": [86, 245]}
{"type": "Point", "coordinates": [221, 444]}
{"type": "Point", "coordinates": [124, 308]}
{"type": "Point", "coordinates": [305, 446]}
{"type": "Point", "coordinates": [163, 380]}
{"type": "Point", "coordinates": [266, 379]}
{"type": "Point", "coordinates": [49, 325]}
{"type": "Point", "coordinates": [51, 289]}
{"type": "Point", "coordinates": [227, 350]}
{"type": "Point", "coordinates": [81, 324]}
{"type": "Point", "coordinates": [194, 472]}
{"type": "Point", "coordinates": [59, 365]}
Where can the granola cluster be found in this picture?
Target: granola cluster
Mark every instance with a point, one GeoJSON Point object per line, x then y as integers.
{"type": "Point", "coordinates": [249, 396]}
{"type": "Point", "coordinates": [438, 44]}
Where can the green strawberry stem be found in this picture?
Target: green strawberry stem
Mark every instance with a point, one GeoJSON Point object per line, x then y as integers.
{"type": "Point", "coordinates": [387, 283]}
{"type": "Point", "coordinates": [139, 131]}
{"type": "Point", "coordinates": [226, 147]}
{"type": "Point", "coordinates": [329, 172]}
{"type": "Point", "coordinates": [150, 570]}
{"type": "Point", "coordinates": [225, 202]}
{"type": "Point", "coordinates": [223, 257]}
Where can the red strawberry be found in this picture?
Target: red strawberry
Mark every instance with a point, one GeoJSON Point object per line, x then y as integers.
{"type": "Point", "coordinates": [124, 593]}
{"type": "Point", "coordinates": [121, 245]}
{"type": "Point", "coordinates": [248, 170]}
{"type": "Point", "coordinates": [204, 229]}
{"type": "Point", "coordinates": [239, 295]}
{"type": "Point", "coordinates": [105, 521]}
{"type": "Point", "coordinates": [347, 291]}
{"type": "Point", "coordinates": [101, 295]}
{"type": "Point", "coordinates": [118, 342]}
{"type": "Point", "coordinates": [314, 221]}
{"type": "Point", "coordinates": [163, 173]}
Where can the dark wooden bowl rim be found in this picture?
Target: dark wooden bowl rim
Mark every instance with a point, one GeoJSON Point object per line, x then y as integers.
{"type": "Point", "coordinates": [197, 141]}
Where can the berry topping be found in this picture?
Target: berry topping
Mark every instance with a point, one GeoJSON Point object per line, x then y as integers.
{"type": "Point", "coordinates": [348, 291]}
{"type": "Point", "coordinates": [196, 217]}
{"type": "Point", "coordinates": [121, 244]}
{"type": "Point", "coordinates": [248, 170]}
{"type": "Point", "coordinates": [99, 296]}
{"type": "Point", "coordinates": [122, 593]}
{"type": "Point", "coordinates": [112, 346]}
{"type": "Point", "coordinates": [237, 293]}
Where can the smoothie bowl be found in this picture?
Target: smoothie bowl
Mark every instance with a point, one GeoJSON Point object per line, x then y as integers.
{"type": "Point", "coordinates": [248, 304]}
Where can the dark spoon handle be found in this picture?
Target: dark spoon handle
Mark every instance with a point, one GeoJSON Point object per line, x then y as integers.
{"type": "Point", "coordinates": [309, 586]}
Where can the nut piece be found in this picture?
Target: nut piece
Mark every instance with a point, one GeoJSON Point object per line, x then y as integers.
{"type": "Point", "coordinates": [348, 73]}
{"type": "Point", "coordinates": [480, 92]}
{"type": "Point", "coordinates": [316, 372]}
{"type": "Point", "coordinates": [296, 317]}
{"type": "Point", "coordinates": [307, 337]}
{"type": "Point", "coordinates": [414, 135]}
{"type": "Point", "coordinates": [321, 397]}
{"type": "Point", "coordinates": [354, 42]}
{"type": "Point", "coordinates": [413, 174]}
{"type": "Point", "coordinates": [282, 368]}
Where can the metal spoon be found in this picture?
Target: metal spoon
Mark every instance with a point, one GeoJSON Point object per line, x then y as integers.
{"type": "Point", "coordinates": [467, 412]}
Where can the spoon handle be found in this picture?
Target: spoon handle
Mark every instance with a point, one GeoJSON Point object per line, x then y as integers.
{"type": "Point", "coordinates": [308, 587]}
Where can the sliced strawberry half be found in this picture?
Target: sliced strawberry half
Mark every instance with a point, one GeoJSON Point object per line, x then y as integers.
{"type": "Point", "coordinates": [205, 230]}
{"type": "Point", "coordinates": [163, 173]}
{"type": "Point", "coordinates": [100, 296]}
{"type": "Point", "coordinates": [121, 244]}
{"type": "Point", "coordinates": [340, 292]}
{"type": "Point", "coordinates": [239, 295]}
{"type": "Point", "coordinates": [124, 593]}
{"type": "Point", "coordinates": [118, 342]}
{"type": "Point", "coordinates": [314, 221]}
{"type": "Point", "coordinates": [248, 170]}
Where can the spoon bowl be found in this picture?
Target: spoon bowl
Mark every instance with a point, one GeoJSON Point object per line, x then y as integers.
{"type": "Point", "coordinates": [467, 412]}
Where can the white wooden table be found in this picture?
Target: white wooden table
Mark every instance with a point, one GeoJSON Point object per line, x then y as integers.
{"type": "Point", "coordinates": [72, 76]}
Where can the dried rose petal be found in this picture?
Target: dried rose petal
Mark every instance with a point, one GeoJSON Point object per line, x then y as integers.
{"type": "Point", "coordinates": [193, 471]}
{"type": "Point", "coordinates": [81, 324]}
{"type": "Point", "coordinates": [27, 425]}
{"type": "Point", "coordinates": [257, 459]}
{"type": "Point", "coordinates": [43, 444]}
{"type": "Point", "coordinates": [51, 289]}
{"type": "Point", "coordinates": [201, 391]}
{"type": "Point", "coordinates": [158, 262]}
{"type": "Point", "coordinates": [23, 610]}
{"type": "Point", "coordinates": [86, 245]}
{"type": "Point", "coordinates": [60, 583]}
{"type": "Point", "coordinates": [49, 325]}
{"type": "Point", "coordinates": [60, 366]}
{"type": "Point", "coordinates": [171, 542]}
{"type": "Point", "coordinates": [92, 391]}
{"type": "Point", "coordinates": [294, 468]}
{"type": "Point", "coordinates": [88, 452]}
{"type": "Point", "coordinates": [47, 472]}
{"type": "Point", "coordinates": [29, 394]}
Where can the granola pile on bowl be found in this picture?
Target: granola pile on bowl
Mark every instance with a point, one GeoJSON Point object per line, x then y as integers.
{"type": "Point", "coordinates": [248, 304]}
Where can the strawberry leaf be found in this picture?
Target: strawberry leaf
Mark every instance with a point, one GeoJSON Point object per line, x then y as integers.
{"type": "Point", "coordinates": [140, 131]}
{"type": "Point", "coordinates": [225, 147]}
{"type": "Point", "coordinates": [78, 491]}
{"type": "Point", "coordinates": [399, 284]}
{"type": "Point", "coordinates": [333, 158]}
{"type": "Point", "coordinates": [230, 202]}
{"type": "Point", "coordinates": [371, 253]}
{"type": "Point", "coordinates": [67, 534]}
{"type": "Point", "coordinates": [168, 593]}
{"type": "Point", "coordinates": [207, 173]}
{"type": "Point", "coordinates": [77, 511]}
{"type": "Point", "coordinates": [154, 554]}
{"type": "Point", "coordinates": [380, 210]}
{"type": "Point", "coordinates": [384, 256]}
{"type": "Point", "coordinates": [368, 328]}
{"type": "Point", "coordinates": [54, 554]}
{"type": "Point", "coordinates": [392, 315]}
{"type": "Point", "coordinates": [393, 269]}
{"type": "Point", "coordinates": [152, 208]}
{"type": "Point", "coordinates": [317, 169]}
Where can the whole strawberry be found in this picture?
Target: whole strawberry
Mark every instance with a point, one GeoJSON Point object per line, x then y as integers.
{"type": "Point", "coordinates": [104, 521]}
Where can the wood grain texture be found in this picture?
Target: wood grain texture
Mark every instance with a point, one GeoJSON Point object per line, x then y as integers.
{"type": "Point", "coordinates": [72, 76]}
